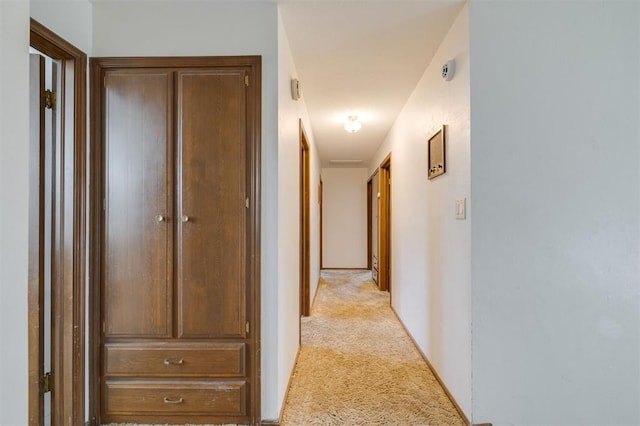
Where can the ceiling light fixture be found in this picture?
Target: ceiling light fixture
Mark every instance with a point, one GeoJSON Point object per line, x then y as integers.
{"type": "Point", "coordinates": [352, 125]}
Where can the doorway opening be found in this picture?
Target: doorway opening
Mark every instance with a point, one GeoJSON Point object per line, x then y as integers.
{"type": "Point", "coordinates": [373, 224]}
{"type": "Point", "coordinates": [305, 228]}
{"type": "Point", "coordinates": [57, 229]}
{"type": "Point", "coordinates": [320, 202]}
{"type": "Point", "coordinates": [384, 258]}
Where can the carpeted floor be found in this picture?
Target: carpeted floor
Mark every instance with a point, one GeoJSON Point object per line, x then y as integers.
{"type": "Point", "coordinates": [357, 366]}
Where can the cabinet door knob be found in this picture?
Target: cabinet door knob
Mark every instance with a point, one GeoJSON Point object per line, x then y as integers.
{"type": "Point", "coordinates": [161, 218]}
{"type": "Point", "coordinates": [168, 400]}
{"type": "Point", "coordinates": [185, 218]}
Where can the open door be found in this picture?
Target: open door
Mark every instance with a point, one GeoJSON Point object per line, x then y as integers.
{"type": "Point", "coordinates": [39, 331]}
{"type": "Point", "coordinates": [305, 233]}
{"type": "Point", "coordinates": [43, 230]}
{"type": "Point", "coordinates": [320, 200]}
{"type": "Point", "coordinates": [373, 219]}
{"type": "Point", "coordinates": [384, 258]}
{"type": "Point", "coordinates": [56, 230]}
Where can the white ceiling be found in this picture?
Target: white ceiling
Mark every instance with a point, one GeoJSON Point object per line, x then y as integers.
{"type": "Point", "coordinates": [361, 57]}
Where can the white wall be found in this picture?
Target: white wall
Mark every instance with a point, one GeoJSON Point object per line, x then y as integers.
{"type": "Point", "coordinates": [14, 209]}
{"type": "Point", "coordinates": [431, 261]}
{"type": "Point", "coordinates": [344, 220]}
{"type": "Point", "coordinates": [191, 28]}
{"type": "Point", "coordinates": [555, 172]}
{"type": "Point", "coordinates": [70, 19]}
{"type": "Point", "coordinates": [289, 114]}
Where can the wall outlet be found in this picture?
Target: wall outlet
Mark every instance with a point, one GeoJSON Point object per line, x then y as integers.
{"type": "Point", "coordinates": [461, 208]}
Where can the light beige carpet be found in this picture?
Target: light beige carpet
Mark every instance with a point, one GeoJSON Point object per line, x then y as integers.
{"type": "Point", "coordinates": [357, 366]}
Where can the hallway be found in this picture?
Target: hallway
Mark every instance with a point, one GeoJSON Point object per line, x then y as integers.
{"type": "Point", "coordinates": [358, 366]}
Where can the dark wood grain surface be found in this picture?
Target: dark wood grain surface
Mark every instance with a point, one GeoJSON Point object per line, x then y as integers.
{"type": "Point", "coordinates": [179, 298]}
{"type": "Point", "coordinates": [211, 204]}
{"type": "Point", "coordinates": [137, 275]}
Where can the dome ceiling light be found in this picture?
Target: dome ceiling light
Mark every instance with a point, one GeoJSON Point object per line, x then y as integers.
{"type": "Point", "coordinates": [353, 124]}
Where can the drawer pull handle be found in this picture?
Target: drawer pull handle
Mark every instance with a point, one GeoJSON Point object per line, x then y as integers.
{"type": "Point", "coordinates": [168, 400]}
{"type": "Point", "coordinates": [173, 362]}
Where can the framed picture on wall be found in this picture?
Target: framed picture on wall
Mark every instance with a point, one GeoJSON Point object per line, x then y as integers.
{"type": "Point", "coordinates": [436, 163]}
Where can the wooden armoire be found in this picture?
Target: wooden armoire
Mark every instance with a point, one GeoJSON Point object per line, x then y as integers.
{"type": "Point", "coordinates": [176, 151]}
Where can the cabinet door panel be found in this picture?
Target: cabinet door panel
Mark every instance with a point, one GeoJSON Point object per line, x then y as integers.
{"type": "Point", "coordinates": [137, 260]}
{"type": "Point", "coordinates": [211, 204]}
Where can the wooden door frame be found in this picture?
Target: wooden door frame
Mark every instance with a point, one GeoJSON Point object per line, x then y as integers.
{"type": "Point", "coordinates": [36, 246]}
{"type": "Point", "coordinates": [384, 233]}
{"type": "Point", "coordinates": [370, 198]}
{"type": "Point", "coordinates": [253, 68]}
{"type": "Point", "coordinates": [321, 202]}
{"type": "Point", "coordinates": [369, 222]}
{"type": "Point", "coordinates": [70, 250]}
{"type": "Point", "coordinates": [305, 228]}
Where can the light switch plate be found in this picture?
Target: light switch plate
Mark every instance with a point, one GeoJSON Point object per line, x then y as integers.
{"type": "Point", "coordinates": [461, 208]}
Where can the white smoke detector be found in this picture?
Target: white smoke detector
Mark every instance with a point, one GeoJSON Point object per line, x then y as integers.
{"type": "Point", "coordinates": [448, 70]}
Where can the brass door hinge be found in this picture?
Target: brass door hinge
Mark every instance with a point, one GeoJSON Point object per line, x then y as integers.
{"type": "Point", "coordinates": [49, 99]}
{"type": "Point", "coordinates": [246, 327]}
{"type": "Point", "coordinates": [246, 202]}
{"type": "Point", "coordinates": [46, 383]}
{"type": "Point", "coordinates": [246, 80]}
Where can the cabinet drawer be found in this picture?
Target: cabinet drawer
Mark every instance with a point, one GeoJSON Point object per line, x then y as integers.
{"type": "Point", "coordinates": [175, 360]}
{"type": "Point", "coordinates": [180, 398]}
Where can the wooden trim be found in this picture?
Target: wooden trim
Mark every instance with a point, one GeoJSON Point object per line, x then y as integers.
{"type": "Point", "coordinates": [255, 176]}
{"type": "Point", "coordinates": [36, 258]}
{"type": "Point", "coordinates": [46, 41]}
{"type": "Point", "coordinates": [434, 371]}
{"type": "Point", "coordinates": [384, 226]}
{"type": "Point", "coordinates": [369, 223]}
{"type": "Point", "coordinates": [178, 62]}
{"type": "Point", "coordinates": [305, 229]}
{"type": "Point", "coordinates": [321, 196]}
{"type": "Point", "coordinates": [253, 67]}
{"type": "Point", "coordinates": [80, 242]}
{"type": "Point", "coordinates": [95, 244]}
{"type": "Point", "coordinates": [73, 239]}
{"type": "Point", "coordinates": [370, 198]}
{"type": "Point", "coordinates": [270, 423]}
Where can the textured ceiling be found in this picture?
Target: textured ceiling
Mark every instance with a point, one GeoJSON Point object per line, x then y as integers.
{"type": "Point", "coordinates": [361, 57]}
